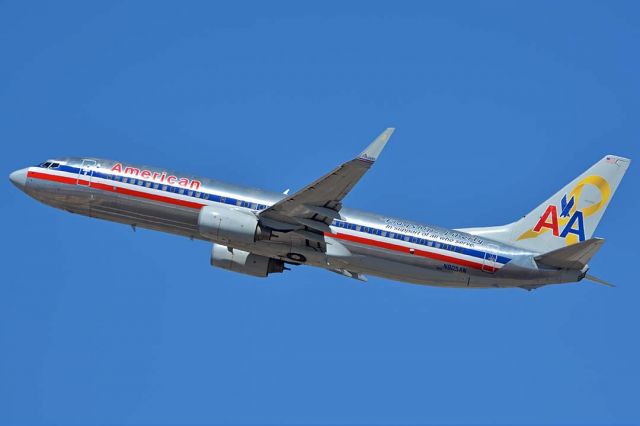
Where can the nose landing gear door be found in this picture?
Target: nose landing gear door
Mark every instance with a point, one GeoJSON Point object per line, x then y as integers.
{"type": "Point", "coordinates": [85, 173]}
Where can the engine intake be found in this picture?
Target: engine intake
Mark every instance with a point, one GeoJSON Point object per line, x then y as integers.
{"type": "Point", "coordinates": [229, 224]}
{"type": "Point", "coordinates": [244, 262]}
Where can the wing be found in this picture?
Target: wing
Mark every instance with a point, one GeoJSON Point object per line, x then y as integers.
{"type": "Point", "coordinates": [317, 204]}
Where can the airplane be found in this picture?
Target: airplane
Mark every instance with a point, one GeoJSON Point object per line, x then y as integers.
{"type": "Point", "coordinates": [257, 232]}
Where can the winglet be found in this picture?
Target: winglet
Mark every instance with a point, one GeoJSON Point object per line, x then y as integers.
{"type": "Point", "coordinates": [373, 151]}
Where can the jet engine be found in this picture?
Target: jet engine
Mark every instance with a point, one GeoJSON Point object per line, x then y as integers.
{"type": "Point", "coordinates": [244, 262]}
{"type": "Point", "coordinates": [229, 224]}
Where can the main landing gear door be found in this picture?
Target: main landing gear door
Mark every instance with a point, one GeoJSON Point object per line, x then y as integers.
{"type": "Point", "coordinates": [490, 261]}
{"type": "Point", "coordinates": [85, 173]}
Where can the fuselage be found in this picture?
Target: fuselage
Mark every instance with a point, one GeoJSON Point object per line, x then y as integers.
{"type": "Point", "coordinates": [401, 250]}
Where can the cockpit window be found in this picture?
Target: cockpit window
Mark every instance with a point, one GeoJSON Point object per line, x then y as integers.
{"type": "Point", "coordinates": [49, 165]}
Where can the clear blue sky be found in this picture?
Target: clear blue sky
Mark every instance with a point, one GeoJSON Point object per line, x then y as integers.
{"type": "Point", "coordinates": [497, 105]}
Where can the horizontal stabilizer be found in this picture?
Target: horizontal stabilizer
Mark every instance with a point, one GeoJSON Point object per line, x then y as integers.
{"type": "Point", "coordinates": [575, 256]}
{"type": "Point", "coordinates": [598, 280]}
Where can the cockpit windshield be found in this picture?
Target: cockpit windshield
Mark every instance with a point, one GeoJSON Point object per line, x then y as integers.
{"type": "Point", "coordinates": [49, 165]}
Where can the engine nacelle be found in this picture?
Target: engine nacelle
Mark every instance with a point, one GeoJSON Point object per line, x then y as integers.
{"type": "Point", "coordinates": [230, 224]}
{"type": "Point", "coordinates": [244, 262]}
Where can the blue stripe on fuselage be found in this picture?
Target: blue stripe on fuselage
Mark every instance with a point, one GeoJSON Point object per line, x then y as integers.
{"type": "Point", "coordinates": [337, 223]}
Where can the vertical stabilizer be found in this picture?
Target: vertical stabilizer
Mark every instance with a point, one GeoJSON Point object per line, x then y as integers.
{"type": "Point", "coordinates": [570, 216]}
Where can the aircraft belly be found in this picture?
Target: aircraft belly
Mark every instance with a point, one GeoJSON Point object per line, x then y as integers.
{"type": "Point", "coordinates": [119, 208]}
{"type": "Point", "coordinates": [402, 266]}
{"type": "Point", "coordinates": [145, 213]}
{"type": "Point", "coordinates": [76, 199]}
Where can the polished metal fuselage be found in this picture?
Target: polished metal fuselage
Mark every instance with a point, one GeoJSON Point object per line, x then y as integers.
{"type": "Point", "coordinates": [99, 191]}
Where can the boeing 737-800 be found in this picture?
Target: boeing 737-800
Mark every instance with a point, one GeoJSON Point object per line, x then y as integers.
{"type": "Point", "coordinates": [257, 232]}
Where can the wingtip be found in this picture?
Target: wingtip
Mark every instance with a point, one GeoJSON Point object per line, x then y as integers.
{"type": "Point", "coordinates": [372, 152]}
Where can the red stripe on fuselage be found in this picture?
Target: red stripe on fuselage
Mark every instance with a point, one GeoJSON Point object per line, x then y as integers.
{"type": "Point", "coordinates": [416, 252]}
{"type": "Point", "coordinates": [148, 196]}
{"type": "Point", "coordinates": [55, 178]}
{"type": "Point", "coordinates": [194, 205]}
{"type": "Point", "coordinates": [116, 189]}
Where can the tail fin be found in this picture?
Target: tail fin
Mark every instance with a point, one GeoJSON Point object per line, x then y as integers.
{"type": "Point", "coordinates": [568, 217]}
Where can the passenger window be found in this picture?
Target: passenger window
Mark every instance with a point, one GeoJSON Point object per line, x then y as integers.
{"type": "Point", "coordinates": [181, 192]}
{"type": "Point", "coordinates": [148, 184]}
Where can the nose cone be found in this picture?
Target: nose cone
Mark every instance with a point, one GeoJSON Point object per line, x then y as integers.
{"type": "Point", "coordinates": [19, 178]}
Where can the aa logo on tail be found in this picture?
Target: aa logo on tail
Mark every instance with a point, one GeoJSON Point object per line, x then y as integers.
{"type": "Point", "coordinates": [549, 220]}
{"type": "Point", "coordinates": [566, 220]}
